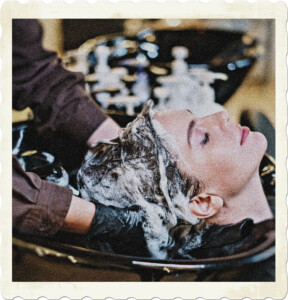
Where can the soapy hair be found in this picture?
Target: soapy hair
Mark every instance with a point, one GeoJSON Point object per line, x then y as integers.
{"type": "Point", "coordinates": [136, 168]}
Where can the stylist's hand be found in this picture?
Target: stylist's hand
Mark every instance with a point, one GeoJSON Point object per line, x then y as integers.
{"type": "Point", "coordinates": [120, 227]}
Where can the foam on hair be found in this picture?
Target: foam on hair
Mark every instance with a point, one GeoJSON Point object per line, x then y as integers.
{"type": "Point", "coordinates": [136, 168]}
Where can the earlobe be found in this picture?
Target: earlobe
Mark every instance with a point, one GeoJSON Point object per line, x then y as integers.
{"type": "Point", "coordinates": [205, 205]}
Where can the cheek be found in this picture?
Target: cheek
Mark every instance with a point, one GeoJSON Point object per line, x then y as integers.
{"type": "Point", "coordinates": [223, 169]}
{"type": "Point", "coordinates": [221, 158]}
{"type": "Point", "coordinates": [207, 164]}
{"type": "Point", "coordinates": [240, 163]}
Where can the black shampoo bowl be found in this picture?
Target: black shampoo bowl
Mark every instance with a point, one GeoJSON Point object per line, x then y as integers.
{"type": "Point", "coordinates": [39, 259]}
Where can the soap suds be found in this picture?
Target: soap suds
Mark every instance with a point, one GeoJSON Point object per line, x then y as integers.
{"type": "Point", "coordinates": [136, 168]}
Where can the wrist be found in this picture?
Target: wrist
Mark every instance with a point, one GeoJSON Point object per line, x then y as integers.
{"type": "Point", "coordinates": [80, 216]}
{"type": "Point", "coordinates": [108, 130]}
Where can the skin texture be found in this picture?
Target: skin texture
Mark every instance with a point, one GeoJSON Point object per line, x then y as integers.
{"type": "Point", "coordinates": [80, 215]}
{"type": "Point", "coordinates": [108, 130]}
{"type": "Point", "coordinates": [136, 169]}
{"type": "Point", "coordinates": [213, 151]}
{"type": "Point", "coordinates": [232, 189]}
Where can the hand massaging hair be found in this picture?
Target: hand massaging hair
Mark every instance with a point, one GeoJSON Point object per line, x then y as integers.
{"type": "Point", "coordinates": [136, 168]}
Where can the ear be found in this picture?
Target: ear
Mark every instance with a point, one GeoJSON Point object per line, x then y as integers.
{"type": "Point", "coordinates": [205, 205]}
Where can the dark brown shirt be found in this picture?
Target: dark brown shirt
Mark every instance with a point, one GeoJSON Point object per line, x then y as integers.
{"type": "Point", "coordinates": [60, 104]}
{"type": "Point", "coordinates": [39, 207]}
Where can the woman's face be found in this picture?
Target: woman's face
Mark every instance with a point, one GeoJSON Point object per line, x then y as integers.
{"type": "Point", "coordinates": [224, 156]}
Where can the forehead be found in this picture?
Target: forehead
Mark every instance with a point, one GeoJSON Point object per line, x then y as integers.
{"type": "Point", "coordinates": [171, 127]}
{"type": "Point", "coordinates": [172, 119]}
{"type": "Point", "coordinates": [172, 114]}
{"type": "Point", "coordinates": [175, 121]}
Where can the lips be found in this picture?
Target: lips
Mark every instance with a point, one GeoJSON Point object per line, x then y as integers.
{"type": "Point", "coordinates": [244, 134]}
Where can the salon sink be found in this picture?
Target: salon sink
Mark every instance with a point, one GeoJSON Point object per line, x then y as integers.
{"type": "Point", "coordinates": [64, 257]}
{"type": "Point", "coordinates": [42, 259]}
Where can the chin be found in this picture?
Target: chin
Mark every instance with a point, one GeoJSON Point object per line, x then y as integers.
{"type": "Point", "coordinates": [262, 142]}
{"type": "Point", "coordinates": [260, 145]}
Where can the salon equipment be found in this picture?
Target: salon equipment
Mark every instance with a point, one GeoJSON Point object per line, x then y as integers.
{"type": "Point", "coordinates": [151, 54]}
{"type": "Point", "coordinates": [65, 258]}
{"type": "Point", "coordinates": [189, 90]}
{"type": "Point", "coordinates": [58, 260]}
{"type": "Point", "coordinates": [205, 100]}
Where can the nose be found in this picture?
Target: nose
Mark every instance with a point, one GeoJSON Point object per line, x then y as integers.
{"type": "Point", "coordinates": [219, 119]}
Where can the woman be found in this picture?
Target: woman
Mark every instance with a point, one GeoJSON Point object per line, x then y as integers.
{"type": "Point", "coordinates": [179, 170]}
{"type": "Point", "coordinates": [225, 157]}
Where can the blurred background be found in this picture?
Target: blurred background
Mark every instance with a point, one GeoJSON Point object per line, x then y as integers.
{"type": "Point", "coordinates": [243, 49]}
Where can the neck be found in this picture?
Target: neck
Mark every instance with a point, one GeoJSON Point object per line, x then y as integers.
{"type": "Point", "coordinates": [250, 203]}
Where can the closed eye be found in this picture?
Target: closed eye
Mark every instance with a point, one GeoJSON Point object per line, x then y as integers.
{"type": "Point", "coordinates": [206, 139]}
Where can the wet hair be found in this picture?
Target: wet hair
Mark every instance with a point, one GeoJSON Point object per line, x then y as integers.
{"type": "Point", "coordinates": [136, 168]}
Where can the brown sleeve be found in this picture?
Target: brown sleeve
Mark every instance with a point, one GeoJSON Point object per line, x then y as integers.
{"type": "Point", "coordinates": [56, 96]}
{"type": "Point", "coordinates": [39, 207]}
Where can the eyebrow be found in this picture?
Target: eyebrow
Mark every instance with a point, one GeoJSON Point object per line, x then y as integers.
{"type": "Point", "coordinates": [190, 130]}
